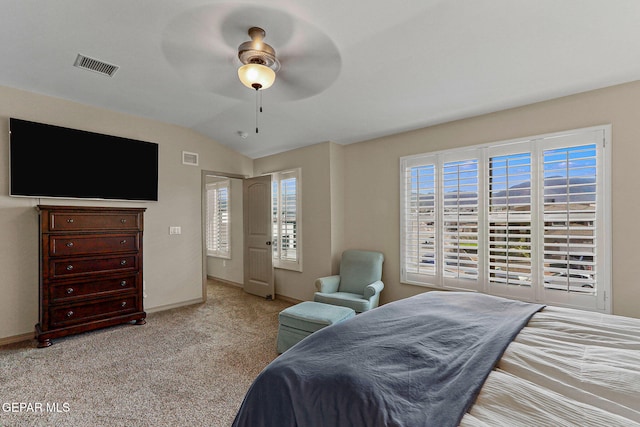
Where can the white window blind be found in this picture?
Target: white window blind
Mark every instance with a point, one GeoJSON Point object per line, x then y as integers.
{"type": "Point", "coordinates": [460, 219]}
{"type": "Point", "coordinates": [571, 218]}
{"type": "Point", "coordinates": [509, 222]}
{"type": "Point", "coordinates": [527, 218]}
{"type": "Point", "coordinates": [218, 219]}
{"type": "Point", "coordinates": [286, 219]}
{"type": "Point", "coordinates": [420, 220]}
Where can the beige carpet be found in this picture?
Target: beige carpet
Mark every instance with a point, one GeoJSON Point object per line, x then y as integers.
{"type": "Point", "coordinates": [186, 367]}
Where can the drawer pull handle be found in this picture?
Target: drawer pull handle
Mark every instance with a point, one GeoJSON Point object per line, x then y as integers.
{"type": "Point", "coordinates": [123, 283]}
{"type": "Point", "coordinates": [69, 313]}
{"type": "Point", "coordinates": [124, 304]}
{"type": "Point", "coordinates": [123, 242]}
{"type": "Point", "coordinates": [69, 290]}
{"type": "Point", "coordinates": [123, 262]}
{"type": "Point", "coordinates": [123, 220]}
{"type": "Point", "coordinates": [70, 220]}
{"type": "Point", "coordinates": [69, 267]}
{"type": "Point", "coordinates": [69, 244]}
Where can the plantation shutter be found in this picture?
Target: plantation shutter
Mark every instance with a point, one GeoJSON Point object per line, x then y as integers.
{"type": "Point", "coordinates": [286, 219]}
{"type": "Point", "coordinates": [570, 212]}
{"type": "Point", "coordinates": [218, 219]}
{"type": "Point", "coordinates": [509, 221]}
{"type": "Point", "coordinates": [419, 222]}
{"type": "Point", "coordinates": [460, 219]}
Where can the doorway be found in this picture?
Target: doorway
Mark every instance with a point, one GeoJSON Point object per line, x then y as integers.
{"type": "Point", "coordinates": [241, 254]}
{"type": "Point", "coordinates": [226, 266]}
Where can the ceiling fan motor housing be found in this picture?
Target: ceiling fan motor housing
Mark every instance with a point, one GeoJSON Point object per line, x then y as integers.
{"type": "Point", "coordinates": [257, 51]}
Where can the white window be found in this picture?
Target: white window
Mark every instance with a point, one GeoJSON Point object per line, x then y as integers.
{"type": "Point", "coordinates": [218, 219]}
{"type": "Point", "coordinates": [287, 233]}
{"type": "Point", "coordinates": [527, 219]}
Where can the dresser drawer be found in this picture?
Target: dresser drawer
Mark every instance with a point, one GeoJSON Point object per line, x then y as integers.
{"type": "Point", "coordinates": [85, 244]}
{"type": "Point", "coordinates": [72, 267]}
{"type": "Point", "coordinates": [95, 310]}
{"type": "Point", "coordinates": [69, 291]}
{"type": "Point", "coordinates": [90, 221]}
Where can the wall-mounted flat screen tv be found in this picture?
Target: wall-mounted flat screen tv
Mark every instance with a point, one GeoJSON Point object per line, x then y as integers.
{"type": "Point", "coordinates": [53, 161]}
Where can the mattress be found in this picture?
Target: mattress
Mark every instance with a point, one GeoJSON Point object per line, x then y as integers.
{"type": "Point", "coordinates": [565, 368]}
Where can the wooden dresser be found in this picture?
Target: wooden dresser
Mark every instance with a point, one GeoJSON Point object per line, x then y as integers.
{"type": "Point", "coordinates": [90, 269]}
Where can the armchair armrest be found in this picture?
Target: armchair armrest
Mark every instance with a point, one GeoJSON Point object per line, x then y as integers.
{"type": "Point", "coordinates": [372, 289]}
{"type": "Point", "coordinates": [328, 284]}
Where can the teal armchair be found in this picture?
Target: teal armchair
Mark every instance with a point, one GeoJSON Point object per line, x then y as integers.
{"type": "Point", "coordinates": [358, 285]}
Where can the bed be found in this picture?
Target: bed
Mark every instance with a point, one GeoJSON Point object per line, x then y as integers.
{"type": "Point", "coordinates": [455, 358]}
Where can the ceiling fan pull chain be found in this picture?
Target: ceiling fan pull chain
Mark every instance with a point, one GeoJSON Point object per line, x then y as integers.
{"type": "Point", "coordinates": [258, 107]}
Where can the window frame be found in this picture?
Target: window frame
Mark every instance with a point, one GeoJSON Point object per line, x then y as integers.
{"type": "Point", "coordinates": [279, 261]}
{"type": "Point", "coordinates": [536, 289]}
{"type": "Point", "coordinates": [214, 188]}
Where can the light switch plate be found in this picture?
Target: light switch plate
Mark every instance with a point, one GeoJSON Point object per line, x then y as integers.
{"type": "Point", "coordinates": [175, 230]}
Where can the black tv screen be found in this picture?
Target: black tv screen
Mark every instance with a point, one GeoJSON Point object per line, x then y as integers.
{"type": "Point", "coordinates": [53, 161]}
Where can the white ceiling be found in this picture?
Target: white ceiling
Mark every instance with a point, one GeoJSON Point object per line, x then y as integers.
{"type": "Point", "coordinates": [351, 70]}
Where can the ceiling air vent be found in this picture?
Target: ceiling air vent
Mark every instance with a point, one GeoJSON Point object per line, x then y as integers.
{"type": "Point", "coordinates": [189, 158]}
{"type": "Point", "coordinates": [95, 65]}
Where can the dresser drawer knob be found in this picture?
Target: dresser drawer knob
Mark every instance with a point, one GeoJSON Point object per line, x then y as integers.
{"type": "Point", "coordinates": [70, 220]}
{"type": "Point", "coordinates": [123, 220]}
{"type": "Point", "coordinates": [124, 304]}
{"type": "Point", "coordinates": [69, 290]}
{"type": "Point", "coordinates": [69, 244]}
{"type": "Point", "coordinates": [69, 313]}
{"type": "Point", "coordinates": [123, 242]}
{"type": "Point", "coordinates": [123, 283]}
{"type": "Point", "coordinates": [123, 262]}
{"type": "Point", "coordinates": [69, 267]}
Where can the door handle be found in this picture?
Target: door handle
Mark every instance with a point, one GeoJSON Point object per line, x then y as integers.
{"type": "Point", "coordinates": [268, 243]}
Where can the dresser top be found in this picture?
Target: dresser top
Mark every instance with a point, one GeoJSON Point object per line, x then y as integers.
{"type": "Point", "coordinates": [87, 208]}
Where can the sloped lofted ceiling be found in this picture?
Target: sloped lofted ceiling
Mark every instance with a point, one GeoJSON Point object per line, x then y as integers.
{"type": "Point", "coordinates": [351, 70]}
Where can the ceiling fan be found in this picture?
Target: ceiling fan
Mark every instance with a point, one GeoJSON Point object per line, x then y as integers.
{"type": "Point", "coordinates": [207, 45]}
{"type": "Point", "coordinates": [259, 65]}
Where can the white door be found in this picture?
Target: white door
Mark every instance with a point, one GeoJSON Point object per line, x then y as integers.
{"type": "Point", "coordinates": [258, 261]}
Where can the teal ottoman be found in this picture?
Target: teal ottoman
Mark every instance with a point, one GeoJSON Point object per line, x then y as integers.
{"type": "Point", "coordinates": [303, 319]}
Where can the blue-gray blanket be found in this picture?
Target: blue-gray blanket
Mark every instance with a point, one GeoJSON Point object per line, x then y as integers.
{"type": "Point", "coordinates": [420, 361]}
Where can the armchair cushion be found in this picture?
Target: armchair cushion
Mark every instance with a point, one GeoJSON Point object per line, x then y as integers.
{"type": "Point", "coordinates": [344, 299]}
{"type": "Point", "coordinates": [358, 269]}
{"type": "Point", "coordinates": [328, 284]}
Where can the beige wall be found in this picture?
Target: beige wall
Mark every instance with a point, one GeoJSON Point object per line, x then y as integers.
{"type": "Point", "coordinates": [317, 232]}
{"type": "Point", "coordinates": [371, 215]}
{"type": "Point", "coordinates": [337, 203]}
{"type": "Point", "coordinates": [173, 264]}
{"type": "Point", "coordinates": [350, 195]}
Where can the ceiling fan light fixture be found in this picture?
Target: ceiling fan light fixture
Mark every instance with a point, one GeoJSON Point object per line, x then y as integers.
{"type": "Point", "coordinates": [256, 76]}
{"type": "Point", "coordinates": [259, 61]}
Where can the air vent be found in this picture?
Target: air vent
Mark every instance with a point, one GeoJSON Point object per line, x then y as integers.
{"type": "Point", "coordinates": [95, 65]}
{"type": "Point", "coordinates": [189, 158]}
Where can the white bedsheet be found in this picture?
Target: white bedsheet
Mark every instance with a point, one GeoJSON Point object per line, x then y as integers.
{"type": "Point", "coordinates": [565, 368]}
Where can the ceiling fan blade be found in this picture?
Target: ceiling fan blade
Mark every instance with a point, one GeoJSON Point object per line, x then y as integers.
{"type": "Point", "coordinates": [193, 45]}
{"type": "Point", "coordinates": [304, 76]}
